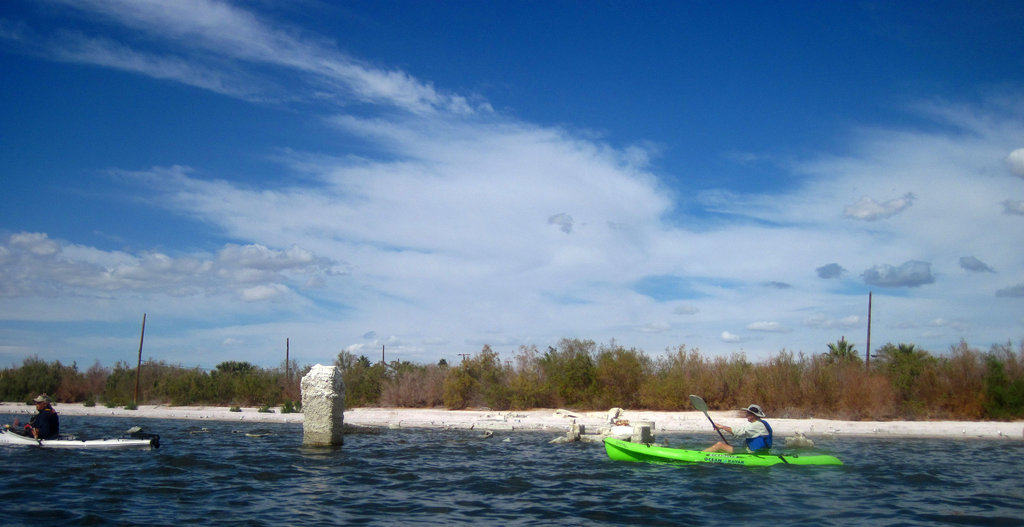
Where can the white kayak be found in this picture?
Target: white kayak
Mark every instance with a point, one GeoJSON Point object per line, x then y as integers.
{"type": "Point", "coordinates": [138, 440]}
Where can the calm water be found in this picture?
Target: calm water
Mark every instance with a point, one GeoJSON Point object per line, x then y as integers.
{"type": "Point", "coordinates": [401, 477]}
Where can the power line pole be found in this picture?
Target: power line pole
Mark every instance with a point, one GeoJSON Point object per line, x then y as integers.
{"type": "Point", "coordinates": [138, 367]}
{"type": "Point", "coordinates": [867, 353]}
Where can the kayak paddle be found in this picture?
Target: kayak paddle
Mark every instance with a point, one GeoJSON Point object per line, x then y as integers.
{"type": "Point", "coordinates": [699, 404]}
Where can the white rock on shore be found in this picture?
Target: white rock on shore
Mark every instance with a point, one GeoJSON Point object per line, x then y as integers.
{"type": "Point", "coordinates": [554, 420]}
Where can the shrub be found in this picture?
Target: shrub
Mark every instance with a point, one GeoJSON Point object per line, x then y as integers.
{"type": "Point", "coordinates": [569, 371]}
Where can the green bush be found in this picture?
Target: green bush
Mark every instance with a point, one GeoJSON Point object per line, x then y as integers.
{"type": "Point", "coordinates": [1004, 391]}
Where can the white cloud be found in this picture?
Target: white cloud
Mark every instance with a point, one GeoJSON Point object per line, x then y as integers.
{"type": "Point", "coordinates": [822, 321]}
{"type": "Point", "coordinates": [36, 243]}
{"type": "Point", "coordinates": [656, 327]}
{"type": "Point", "coordinates": [868, 209]}
{"type": "Point", "coordinates": [1016, 162]}
{"type": "Point", "coordinates": [729, 337]}
{"type": "Point", "coordinates": [253, 272]}
{"type": "Point", "coordinates": [217, 44]}
{"type": "Point", "coordinates": [771, 327]}
{"type": "Point", "coordinates": [260, 293]}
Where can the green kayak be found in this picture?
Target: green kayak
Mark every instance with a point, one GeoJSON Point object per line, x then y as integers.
{"type": "Point", "coordinates": [625, 451]}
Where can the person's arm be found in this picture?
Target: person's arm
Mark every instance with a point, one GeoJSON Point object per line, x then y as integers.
{"type": "Point", "coordinates": [723, 427]}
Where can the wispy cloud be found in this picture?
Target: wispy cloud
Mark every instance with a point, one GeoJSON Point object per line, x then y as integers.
{"type": "Point", "coordinates": [868, 209]}
{"type": "Point", "coordinates": [218, 46]}
{"type": "Point", "coordinates": [766, 326]}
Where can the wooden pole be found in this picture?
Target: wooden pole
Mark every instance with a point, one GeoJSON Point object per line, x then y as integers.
{"type": "Point", "coordinates": [286, 352]}
{"type": "Point", "coordinates": [867, 353]}
{"type": "Point", "coordinates": [138, 367]}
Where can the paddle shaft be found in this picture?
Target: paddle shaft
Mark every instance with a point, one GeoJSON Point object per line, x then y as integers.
{"type": "Point", "coordinates": [699, 404]}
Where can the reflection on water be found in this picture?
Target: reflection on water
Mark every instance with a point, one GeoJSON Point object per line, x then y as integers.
{"type": "Point", "coordinates": [259, 474]}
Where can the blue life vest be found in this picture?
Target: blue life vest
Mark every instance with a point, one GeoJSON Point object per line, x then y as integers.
{"type": "Point", "coordinates": [760, 442]}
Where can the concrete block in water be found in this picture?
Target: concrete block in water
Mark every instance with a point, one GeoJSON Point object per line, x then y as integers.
{"type": "Point", "coordinates": [642, 434]}
{"type": "Point", "coordinates": [323, 407]}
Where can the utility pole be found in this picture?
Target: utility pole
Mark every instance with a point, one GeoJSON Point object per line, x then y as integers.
{"type": "Point", "coordinates": [382, 361]}
{"type": "Point", "coordinates": [867, 352]}
{"type": "Point", "coordinates": [138, 367]}
{"type": "Point", "coordinates": [287, 377]}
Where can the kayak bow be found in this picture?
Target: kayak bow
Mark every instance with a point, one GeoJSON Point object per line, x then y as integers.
{"type": "Point", "coordinates": [625, 451]}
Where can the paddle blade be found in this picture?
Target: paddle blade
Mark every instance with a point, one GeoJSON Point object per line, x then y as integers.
{"type": "Point", "coordinates": [698, 403]}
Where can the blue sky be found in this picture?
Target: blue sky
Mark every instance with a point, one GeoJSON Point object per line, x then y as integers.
{"type": "Point", "coordinates": [432, 177]}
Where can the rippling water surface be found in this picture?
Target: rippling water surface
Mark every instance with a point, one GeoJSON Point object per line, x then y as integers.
{"type": "Point", "coordinates": [224, 475]}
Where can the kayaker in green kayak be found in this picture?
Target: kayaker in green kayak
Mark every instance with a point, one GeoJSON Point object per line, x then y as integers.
{"type": "Point", "coordinates": [756, 434]}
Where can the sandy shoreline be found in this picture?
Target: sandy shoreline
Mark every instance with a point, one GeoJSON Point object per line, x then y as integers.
{"type": "Point", "coordinates": [556, 421]}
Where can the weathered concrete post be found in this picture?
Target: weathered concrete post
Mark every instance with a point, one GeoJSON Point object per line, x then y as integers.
{"type": "Point", "coordinates": [642, 433]}
{"type": "Point", "coordinates": [575, 432]}
{"type": "Point", "coordinates": [323, 407]}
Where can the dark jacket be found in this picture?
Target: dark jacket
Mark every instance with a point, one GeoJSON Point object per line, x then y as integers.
{"type": "Point", "coordinates": [47, 422]}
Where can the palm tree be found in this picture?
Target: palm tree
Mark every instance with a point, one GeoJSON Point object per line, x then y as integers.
{"type": "Point", "coordinates": [842, 351]}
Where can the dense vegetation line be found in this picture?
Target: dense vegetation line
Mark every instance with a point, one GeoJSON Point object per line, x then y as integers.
{"type": "Point", "coordinates": [902, 382]}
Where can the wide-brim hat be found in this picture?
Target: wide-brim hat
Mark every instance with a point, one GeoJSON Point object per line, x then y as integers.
{"type": "Point", "coordinates": [43, 398]}
{"type": "Point", "coordinates": [754, 409]}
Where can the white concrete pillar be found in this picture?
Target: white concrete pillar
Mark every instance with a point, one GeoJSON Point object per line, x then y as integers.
{"type": "Point", "coordinates": [323, 407]}
{"type": "Point", "coordinates": [642, 434]}
{"type": "Point", "coordinates": [575, 431]}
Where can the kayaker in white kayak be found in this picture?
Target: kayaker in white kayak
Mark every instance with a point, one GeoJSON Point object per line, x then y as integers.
{"type": "Point", "coordinates": [756, 434]}
{"type": "Point", "coordinates": [45, 424]}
